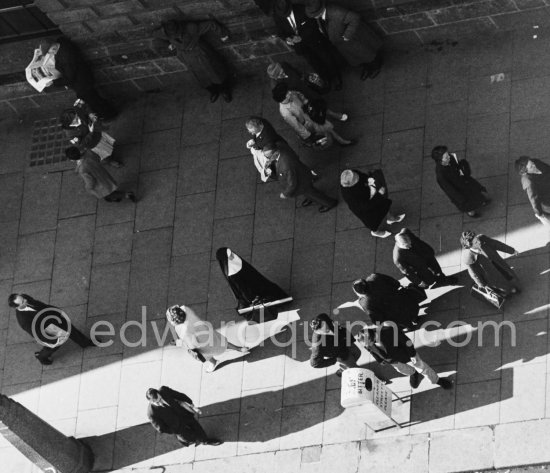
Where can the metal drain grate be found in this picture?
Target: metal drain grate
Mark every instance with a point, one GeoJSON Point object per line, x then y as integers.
{"type": "Point", "coordinates": [48, 143]}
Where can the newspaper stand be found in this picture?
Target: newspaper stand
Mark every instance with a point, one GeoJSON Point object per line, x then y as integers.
{"type": "Point", "coordinates": [361, 388]}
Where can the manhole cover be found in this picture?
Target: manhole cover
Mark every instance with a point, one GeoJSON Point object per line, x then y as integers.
{"type": "Point", "coordinates": [48, 143]}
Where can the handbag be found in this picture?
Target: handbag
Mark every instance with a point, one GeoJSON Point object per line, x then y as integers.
{"type": "Point", "coordinates": [488, 295]}
{"type": "Point", "coordinates": [317, 110]}
{"type": "Point", "coordinates": [197, 355]}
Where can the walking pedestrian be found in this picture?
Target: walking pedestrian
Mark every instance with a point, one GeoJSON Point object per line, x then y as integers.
{"type": "Point", "coordinates": [248, 285]}
{"type": "Point", "coordinates": [382, 298]}
{"type": "Point", "coordinates": [352, 37]}
{"type": "Point", "coordinates": [367, 197]}
{"type": "Point", "coordinates": [296, 179]}
{"type": "Point", "coordinates": [203, 342]}
{"type": "Point", "coordinates": [263, 134]}
{"type": "Point", "coordinates": [485, 266]}
{"type": "Point", "coordinates": [172, 412]}
{"type": "Point", "coordinates": [309, 120]}
{"type": "Point", "coordinates": [97, 181]}
{"type": "Point", "coordinates": [416, 260]}
{"type": "Point", "coordinates": [535, 181]}
{"type": "Point", "coordinates": [302, 35]}
{"type": "Point", "coordinates": [189, 40]}
{"type": "Point", "coordinates": [332, 343]}
{"type": "Point", "coordinates": [455, 179]}
{"type": "Point", "coordinates": [389, 345]}
{"type": "Point", "coordinates": [47, 324]}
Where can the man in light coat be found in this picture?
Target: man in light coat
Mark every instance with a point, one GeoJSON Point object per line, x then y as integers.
{"type": "Point", "coordinates": [97, 180]}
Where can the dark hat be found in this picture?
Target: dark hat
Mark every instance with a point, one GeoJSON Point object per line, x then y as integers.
{"type": "Point", "coordinates": [282, 7]}
{"type": "Point", "coordinates": [314, 8]}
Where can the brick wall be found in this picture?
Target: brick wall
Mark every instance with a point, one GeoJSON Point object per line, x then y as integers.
{"type": "Point", "coordinates": [116, 36]}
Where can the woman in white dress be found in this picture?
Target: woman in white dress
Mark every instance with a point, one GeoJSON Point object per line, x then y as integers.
{"type": "Point", "coordinates": [203, 342]}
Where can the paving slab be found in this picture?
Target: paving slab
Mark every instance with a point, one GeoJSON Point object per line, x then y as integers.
{"type": "Point", "coordinates": [109, 288]}
{"type": "Point", "coordinates": [8, 243]}
{"type": "Point", "coordinates": [447, 450]}
{"type": "Point", "coordinates": [274, 217]}
{"type": "Point", "coordinates": [35, 254]}
{"type": "Point", "coordinates": [160, 149]}
{"type": "Point", "coordinates": [197, 168]}
{"type": "Point", "coordinates": [404, 109]}
{"type": "Point", "coordinates": [74, 199]}
{"type": "Point", "coordinates": [231, 200]}
{"type": "Point", "coordinates": [113, 243]}
{"type": "Point", "coordinates": [157, 190]}
{"type": "Point", "coordinates": [40, 203]}
{"type": "Point", "coordinates": [395, 455]}
{"type": "Point", "coordinates": [11, 193]}
{"type": "Point", "coordinates": [193, 224]}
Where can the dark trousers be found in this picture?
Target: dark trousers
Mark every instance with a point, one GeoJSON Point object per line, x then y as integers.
{"type": "Point", "coordinates": [76, 336]}
{"type": "Point", "coordinates": [115, 196]}
{"type": "Point", "coordinates": [317, 196]}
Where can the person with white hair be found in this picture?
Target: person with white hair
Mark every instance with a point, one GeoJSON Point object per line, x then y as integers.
{"type": "Point", "coordinates": [367, 198]}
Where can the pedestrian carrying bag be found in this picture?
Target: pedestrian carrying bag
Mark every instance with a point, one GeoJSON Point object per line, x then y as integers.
{"type": "Point", "coordinates": [487, 295]}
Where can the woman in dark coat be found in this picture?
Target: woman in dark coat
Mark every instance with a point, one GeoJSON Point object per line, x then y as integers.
{"type": "Point", "coordinates": [248, 285]}
{"type": "Point", "coordinates": [367, 197]}
{"type": "Point", "coordinates": [204, 62]}
{"type": "Point", "coordinates": [535, 181]}
{"type": "Point", "coordinates": [485, 266]}
{"type": "Point", "coordinates": [454, 178]}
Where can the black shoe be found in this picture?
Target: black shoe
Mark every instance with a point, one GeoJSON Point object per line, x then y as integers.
{"type": "Point", "coordinates": [213, 442]}
{"type": "Point", "coordinates": [445, 383]}
{"type": "Point", "coordinates": [227, 96]}
{"type": "Point", "coordinates": [339, 373]}
{"type": "Point", "coordinates": [214, 96]}
{"type": "Point", "coordinates": [415, 380]}
{"type": "Point", "coordinates": [374, 73]}
{"type": "Point", "coordinates": [314, 176]}
{"type": "Point", "coordinates": [326, 208]}
{"type": "Point", "coordinates": [131, 196]}
{"type": "Point", "coordinates": [472, 214]}
{"type": "Point", "coordinates": [306, 203]}
{"type": "Point", "coordinates": [43, 361]}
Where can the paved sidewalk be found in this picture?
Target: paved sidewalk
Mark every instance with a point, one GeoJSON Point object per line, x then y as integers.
{"type": "Point", "coordinates": [487, 100]}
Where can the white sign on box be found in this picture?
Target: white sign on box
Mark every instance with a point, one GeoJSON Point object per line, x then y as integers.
{"type": "Point", "coordinates": [360, 386]}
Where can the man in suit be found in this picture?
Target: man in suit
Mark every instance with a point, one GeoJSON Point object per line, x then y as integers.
{"type": "Point", "coordinates": [296, 178]}
{"type": "Point", "coordinates": [416, 260]}
{"type": "Point", "coordinates": [332, 344]}
{"type": "Point", "coordinates": [351, 36]}
{"type": "Point", "coordinates": [172, 412]}
{"type": "Point", "coordinates": [48, 325]}
{"type": "Point", "coordinates": [535, 181]}
{"type": "Point", "coordinates": [388, 344]}
{"type": "Point", "coordinates": [77, 75]}
{"type": "Point", "coordinates": [302, 35]}
{"type": "Point", "coordinates": [97, 180]}
{"type": "Point", "coordinates": [263, 135]}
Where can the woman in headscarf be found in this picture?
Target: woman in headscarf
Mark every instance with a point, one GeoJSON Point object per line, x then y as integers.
{"type": "Point", "coordinates": [454, 178]}
{"type": "Point", "coordinates": [367, 198]}
{"type": "Point", "coordinates": [203, 342]}
{"type": "Point", "coordinates": [248, 285]}
{"type": "Point", "coordinates": [485, 266]}
{"type": "Point", "coordinates": [204, 62]}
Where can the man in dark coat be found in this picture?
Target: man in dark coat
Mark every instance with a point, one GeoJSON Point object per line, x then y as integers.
{"type": "Point", "coordinates": [303, 36]}
{"type": "Point", "coordinates": [77, 75]}
{"type": "Point", "coordinates": [48, 325]}
{"type": "Point", "coordinates": [382, 299]}
{"type": "Point", "coordinates": [172, 412]}
{"type": "Point", "coordinates": [351, 36]}
{"type": "Point", "coordinates": [284, 73]}
{"type": "Point", "coordinates": [367, 198]}
{"type": "Point", "coordinates": [332, 344]}
{"type": "Point", "coordinates": [188, 38]}
{"type": "Point", "coordinates": [296, 178]}
{"type": "Point", "coordinates": [535, 181]}
{"type": "Point", "coordinates": [389, 345]}
{"type": "Point", "coordinates": [454, 178]}
{"type": "Point", "coordinates": [416, 260]}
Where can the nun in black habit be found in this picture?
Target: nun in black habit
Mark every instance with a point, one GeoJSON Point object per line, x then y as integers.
{"type": "Point", "coordinates": [249, 287]}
